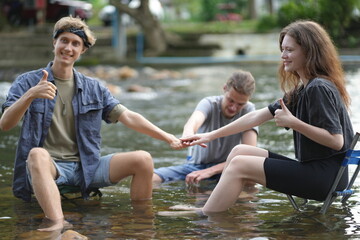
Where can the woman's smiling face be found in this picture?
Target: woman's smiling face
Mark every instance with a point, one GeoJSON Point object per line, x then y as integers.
{"type": "Point", "coordinates": [293, 56]}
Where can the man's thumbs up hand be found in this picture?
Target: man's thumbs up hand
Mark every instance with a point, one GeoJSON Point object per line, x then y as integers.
{"type": "Point", "coordinates": [44, 89]}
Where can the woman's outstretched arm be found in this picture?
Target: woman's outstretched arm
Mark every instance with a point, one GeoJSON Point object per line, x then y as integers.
{"type": "Point", "coordinates": [248, 121]}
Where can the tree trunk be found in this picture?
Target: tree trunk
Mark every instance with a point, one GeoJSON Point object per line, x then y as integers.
{"type": "Point", "coordinates": [271, 7]}
{"type": "Point", "coordinates": [252, 9]}
{"type": "Point", "coordinates": [155, 38]}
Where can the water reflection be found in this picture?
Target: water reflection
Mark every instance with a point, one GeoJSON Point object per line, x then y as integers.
{"type": "Point", "coordinates": [267, 216]}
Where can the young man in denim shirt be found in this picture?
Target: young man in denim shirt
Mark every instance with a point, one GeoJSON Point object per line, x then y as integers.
{"type": "Point", "coordinates": [61, 112]}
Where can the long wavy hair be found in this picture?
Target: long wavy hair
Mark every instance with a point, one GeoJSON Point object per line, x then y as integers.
{"type": "Point", "coordinates": [322, 59]}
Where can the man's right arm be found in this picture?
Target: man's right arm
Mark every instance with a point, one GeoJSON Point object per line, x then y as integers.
{"type": "Point", "coordinates": [13, 114]}
{"type": "Point", "coordinates": [196, 119]}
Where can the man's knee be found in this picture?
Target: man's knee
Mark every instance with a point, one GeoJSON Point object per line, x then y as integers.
{"type": "Point", "coordinates": [37, 158]}
{"type": "Point", "coordinates": [137, 161]}
{"type": "Point", "coordinates": [37, 154]}
{"type": "Point", "coordinates": [144, 160]}
{"type": "Point", "coordinates": [156, 179]}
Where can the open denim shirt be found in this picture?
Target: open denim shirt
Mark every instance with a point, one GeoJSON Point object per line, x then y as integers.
{"type": "Point", "coordinates": [92, 102]}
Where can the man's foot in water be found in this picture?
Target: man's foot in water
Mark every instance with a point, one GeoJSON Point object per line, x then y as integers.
{"type": "Point", "coordinates": [53, 225]}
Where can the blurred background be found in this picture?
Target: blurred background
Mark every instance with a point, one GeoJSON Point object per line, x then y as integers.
{"type": "Point", "coordinates": [127, 29]}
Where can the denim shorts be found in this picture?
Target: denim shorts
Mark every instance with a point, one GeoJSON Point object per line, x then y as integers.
{"type": "Point", "coordinates": [175, 173]}
{"type": "Point", "coordinates": [69, 173]}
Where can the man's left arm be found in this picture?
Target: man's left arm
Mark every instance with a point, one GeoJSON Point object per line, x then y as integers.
{"type": "Point", "coordinates": [249, 137]}
{"type": "Point", "coordinates": [140, 124]}
{"type": "Point", "coordinates": [196, 176]}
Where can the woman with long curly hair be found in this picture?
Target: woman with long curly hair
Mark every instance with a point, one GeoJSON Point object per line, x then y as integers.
{"type": "Point", "coordinates": [315, 106]}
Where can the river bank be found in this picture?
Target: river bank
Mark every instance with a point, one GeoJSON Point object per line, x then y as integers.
{"type": "Point", "coordinates": [32, 48]}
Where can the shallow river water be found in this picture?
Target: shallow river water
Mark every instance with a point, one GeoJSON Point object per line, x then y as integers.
{"type": "Point", "coordinates": [267, 215]}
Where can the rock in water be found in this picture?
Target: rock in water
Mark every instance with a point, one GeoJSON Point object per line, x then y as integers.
{"type": "Point", "coordinates": [72, 235]}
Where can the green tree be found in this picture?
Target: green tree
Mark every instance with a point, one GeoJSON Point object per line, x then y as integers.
{"type": "Point", "coordinates": [209, 9]}
{"type": "Point", "coordinates": [298, 9]}
{"type": "Point", "coordinates": [336, 16]}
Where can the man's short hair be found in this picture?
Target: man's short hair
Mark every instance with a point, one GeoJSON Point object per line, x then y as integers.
{"type": "Point", "coordinates": [242, 81]}
{"type": "Point", "coordinates": [76, 26]}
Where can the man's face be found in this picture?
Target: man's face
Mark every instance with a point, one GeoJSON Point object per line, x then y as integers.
{"type": "Point", "coordinates": [233, 102]}
{"type": "Point", "coordinates": [68, 47]}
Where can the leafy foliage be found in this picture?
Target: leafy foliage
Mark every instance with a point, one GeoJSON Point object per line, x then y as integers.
{"type": "Point", "coordinates": [266, 23]}
{"type": "Point", "coordinates": [294, 10]}
{"type": "Point", "coordinates": [209, 9]}
{"type": "Point", "coordinates": [334, 15]}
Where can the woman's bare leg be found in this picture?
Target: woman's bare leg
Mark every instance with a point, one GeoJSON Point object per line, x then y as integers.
{"type": "Point", "coordinates": [243, 149]}
{"type": "Point", "coordinates": [239, 170]}
{"type": "Point", "coordinates": [248, 150]}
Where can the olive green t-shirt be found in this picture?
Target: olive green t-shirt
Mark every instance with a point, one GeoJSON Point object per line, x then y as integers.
{"type": "Point", "coordinates": [61, 139]}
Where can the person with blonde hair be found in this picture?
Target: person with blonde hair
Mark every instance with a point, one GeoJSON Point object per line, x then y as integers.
{"type": "Point", "coordinates": [315, 106]}
{"type": "Point", "coordinates": [212, 113]}
{"type": "Point", "coordinates": [62, 112]}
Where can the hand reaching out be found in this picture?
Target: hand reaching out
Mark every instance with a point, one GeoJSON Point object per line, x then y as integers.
{"type": "Point", "coordinates": [198, 139]}
{"type": "Point", "coordinates": [176, 143]}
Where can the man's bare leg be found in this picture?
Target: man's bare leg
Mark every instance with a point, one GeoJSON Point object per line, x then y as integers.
{"type": "Point", "coordinates": [140, 166]}
{"type": "Point", "coordinates": [43, 173]}
{"type": "Point", "coordinates": [156, 181]}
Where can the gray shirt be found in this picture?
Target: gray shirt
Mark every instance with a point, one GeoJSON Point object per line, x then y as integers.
{"type": "Point", "coordinates": [218, 149]}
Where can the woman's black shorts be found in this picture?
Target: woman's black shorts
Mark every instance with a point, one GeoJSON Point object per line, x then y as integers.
{"type": "Point", "coordinates": [310, 180]}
